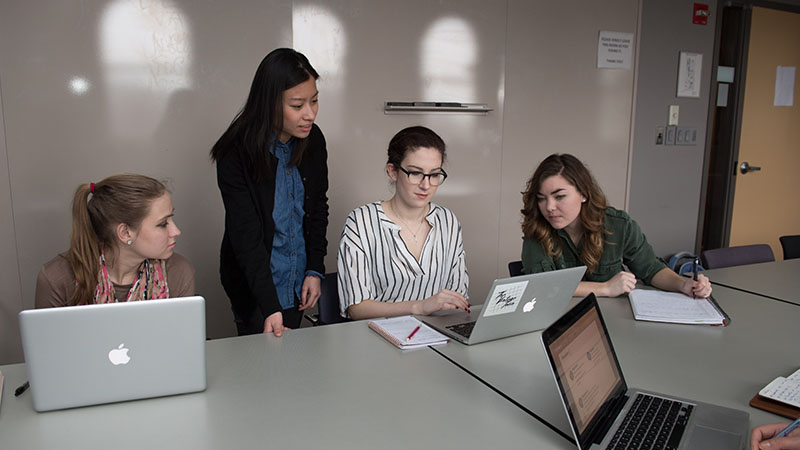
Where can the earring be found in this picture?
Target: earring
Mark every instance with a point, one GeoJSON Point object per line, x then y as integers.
{"type": "Point", "coordinates": [129, 242]}
{"type": "Point", "coordinates": [583, 201]}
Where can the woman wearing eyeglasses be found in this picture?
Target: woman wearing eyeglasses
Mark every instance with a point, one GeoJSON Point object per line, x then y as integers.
{"type": "Point", "coordinates": [404, 255]}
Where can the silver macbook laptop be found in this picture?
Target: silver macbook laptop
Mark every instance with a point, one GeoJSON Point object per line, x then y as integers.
{"type": "Point", "coordinates": [513, 306]}
{"type": "Point", "coordinates": [605, 414]}
{"type": "Point", "coordinates": [91, 354]}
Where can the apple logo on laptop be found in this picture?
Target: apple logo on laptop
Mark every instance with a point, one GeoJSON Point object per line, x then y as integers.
{"type": "Point", "coordinates": [528, 307]}
{"type": "Point", "coordinates": [119, 355]}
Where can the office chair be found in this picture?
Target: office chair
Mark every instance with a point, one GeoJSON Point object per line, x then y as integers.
{"type": "Point", "coordinates": [328, 303]}
{"type": "Point", "coordinates": [737, 256]}
{"type": "Point", "coordinates": [791, 246]}
{"type": "Point", "coordinates": [514, 268]}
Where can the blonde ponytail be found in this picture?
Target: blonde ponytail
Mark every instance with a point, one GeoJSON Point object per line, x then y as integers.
{"type": "Point", "coordinates": [84, 248]}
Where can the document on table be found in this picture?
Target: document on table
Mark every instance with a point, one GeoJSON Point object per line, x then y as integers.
{"type": "Point", "coordinates": [784, 389]}
{"type": "Point", "coordinates": [660, 306]}
{"type": "Point", "coordinates": [397, 329]}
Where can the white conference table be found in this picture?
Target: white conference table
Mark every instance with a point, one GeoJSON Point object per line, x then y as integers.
{"type": "Point", "coordinates": [779, 280]}
{"type": "Point", "coordinates": [721, 365]}
{"type": "Point", "coordinates": [337, 386]}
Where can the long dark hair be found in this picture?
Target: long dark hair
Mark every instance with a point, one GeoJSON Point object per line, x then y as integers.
{"type": "Point", "coordinates": [96, 211]}
{"type": "Point", "coordinates": [261, 118]}
{"type": "Point", "coordinates": [592, 212]}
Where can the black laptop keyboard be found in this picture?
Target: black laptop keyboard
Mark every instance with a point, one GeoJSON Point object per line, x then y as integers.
{"type": "Point", "coordinates": [652, 423]}
{"type": "Point", "coordinates": [462, 329]}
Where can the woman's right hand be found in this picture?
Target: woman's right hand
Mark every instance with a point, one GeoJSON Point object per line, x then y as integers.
{"type": "Point", "coordinates": [444, 299]}
{"type": "Point", "coordinates": [763, 438]}
{"type": "Point", "coordinates": [621, 283]}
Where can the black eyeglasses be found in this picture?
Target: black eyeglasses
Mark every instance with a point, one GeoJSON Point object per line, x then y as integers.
{"type": "Point", "coordinates": [416, 177]}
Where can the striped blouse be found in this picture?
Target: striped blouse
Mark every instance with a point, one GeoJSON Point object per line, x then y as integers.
{"type": "Point", "coordinates": [374, 262]}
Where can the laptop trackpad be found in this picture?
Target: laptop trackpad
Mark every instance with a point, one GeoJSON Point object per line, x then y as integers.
{"type": "Point", "coordinates": [704, 438]}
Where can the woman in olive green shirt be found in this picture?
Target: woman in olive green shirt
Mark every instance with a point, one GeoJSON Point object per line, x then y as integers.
{"type": "Point", "coordinates": [567, 223]}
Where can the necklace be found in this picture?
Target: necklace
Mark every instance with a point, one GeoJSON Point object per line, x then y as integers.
{"type": "Point", "coordinates": [408, 227]}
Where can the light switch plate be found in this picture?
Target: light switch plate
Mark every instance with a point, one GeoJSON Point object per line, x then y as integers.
{"type": "Point", "coordinates": [673, 115]}
{"type": "Point", "coordinates": [686, 136]}
{"type": "Point", "coordinates": [672, 130]}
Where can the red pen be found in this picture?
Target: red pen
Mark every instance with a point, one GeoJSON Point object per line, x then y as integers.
{"type": "Point", "coordinates": [413, 333]}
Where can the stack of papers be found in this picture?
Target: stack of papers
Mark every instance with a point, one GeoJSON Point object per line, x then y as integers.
{"type": "Point", "coordinates": [784, 389]}
{"type": "Point", "coordinates": [659, 306]}
{"type": "Point", "coordinates": [397, 329]}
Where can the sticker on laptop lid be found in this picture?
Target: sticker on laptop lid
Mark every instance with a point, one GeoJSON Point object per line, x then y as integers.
{"type": "Point", "coordinates": [505, 298]}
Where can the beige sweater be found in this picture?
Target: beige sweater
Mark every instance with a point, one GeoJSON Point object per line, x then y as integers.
{"type": "Point", "coordinates": [56, 281]}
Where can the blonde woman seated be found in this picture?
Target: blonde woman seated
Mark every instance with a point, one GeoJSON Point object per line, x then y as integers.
{"type": "Point", "coordinates": [121, 248]}
{"type": "Point", "coordinates": [405, 255]}
{"type": "Point", "coordinates": [567, 223]}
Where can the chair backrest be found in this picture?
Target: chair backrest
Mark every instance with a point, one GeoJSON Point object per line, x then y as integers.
{"type": "Point", "coordinates": [791, 246]}
{"type": "Point", "coordinates": [328, 304]}
{"type": "Point", "coordinates": [514, 268]}
{"type": "Point", "coordinates": [737, 256]}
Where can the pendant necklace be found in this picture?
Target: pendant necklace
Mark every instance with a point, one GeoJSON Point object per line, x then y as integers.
{"type": "Point", "coordinates": [408, 227]}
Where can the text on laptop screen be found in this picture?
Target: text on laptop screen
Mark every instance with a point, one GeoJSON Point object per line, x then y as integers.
{"type": "Point", "coordinates": [585, 366]}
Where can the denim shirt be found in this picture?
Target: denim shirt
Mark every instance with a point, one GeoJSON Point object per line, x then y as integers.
{"type": "Point", "coordinates": [288, 258]}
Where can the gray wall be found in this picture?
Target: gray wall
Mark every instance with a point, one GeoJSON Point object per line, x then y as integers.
{"type": "Point", "coordinates": [558, 101]}
{"type": "Point", "coordinates": [159, 98]}
{"type": "Point", "coordinates": [157, 109]}
{"type": "Point", "coordinates": [666, 180]}
{"type": "Point", "coordinates": [10, 294]}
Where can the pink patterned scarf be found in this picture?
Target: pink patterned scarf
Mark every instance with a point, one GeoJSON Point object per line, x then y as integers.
{"type": "Point", "coordinates": [150, 282]}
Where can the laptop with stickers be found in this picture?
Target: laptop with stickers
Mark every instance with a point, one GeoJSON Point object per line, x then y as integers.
{"type": "Point", "coordinates": [604, 413]}
{"type": "Point", "coordinates": [92, 354]}
{"type": "Point", "coordinates": [513, 306]}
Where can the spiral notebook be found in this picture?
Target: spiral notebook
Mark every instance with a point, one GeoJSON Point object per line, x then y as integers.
{"type": "Point", "coordinates": [398, 329]}
{"type": "Point", "coordinates": [672, 307]}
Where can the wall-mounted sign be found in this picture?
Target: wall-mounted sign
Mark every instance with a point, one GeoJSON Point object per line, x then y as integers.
{"type": "Point", "coordinates": [614, 50]}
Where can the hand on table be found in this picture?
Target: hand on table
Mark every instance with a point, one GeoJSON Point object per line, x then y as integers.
{"type": "Point", "coordinates": [274, 324]}
{"type": "Point", "coordinates": [621, 283]}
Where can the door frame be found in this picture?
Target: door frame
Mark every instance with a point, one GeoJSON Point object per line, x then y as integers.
{"type": "Point", "coordinates": [720, 162]}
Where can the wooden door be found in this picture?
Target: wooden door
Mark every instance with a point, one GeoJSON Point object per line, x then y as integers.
{"type": "Point", "coordinates": [766, 204]}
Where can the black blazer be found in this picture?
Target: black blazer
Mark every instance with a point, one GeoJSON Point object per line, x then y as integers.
{"type": "Point", "coordinates": [247, 243]}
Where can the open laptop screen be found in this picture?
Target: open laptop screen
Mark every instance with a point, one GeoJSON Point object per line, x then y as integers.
{"type": "Point", "coordinates": [585, 366]}
{"type": "Point", "coordinates": [124, 351]}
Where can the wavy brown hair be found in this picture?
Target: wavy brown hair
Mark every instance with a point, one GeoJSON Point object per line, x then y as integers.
{"type": "Point", "coordinates": [592, 215]}
{"type": "Point", "coordinates": [124, 198]}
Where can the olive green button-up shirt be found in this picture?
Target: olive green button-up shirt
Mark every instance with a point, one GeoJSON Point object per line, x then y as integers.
{"type": "Point", "coordinates": [625, 245]}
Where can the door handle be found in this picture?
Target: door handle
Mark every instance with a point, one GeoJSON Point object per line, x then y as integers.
{"type": "Point", "coordinates": [746, 167]}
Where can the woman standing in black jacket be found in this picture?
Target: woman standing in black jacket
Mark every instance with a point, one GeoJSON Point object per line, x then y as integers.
{"type": "Point", "coordinates": [273, 176]}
